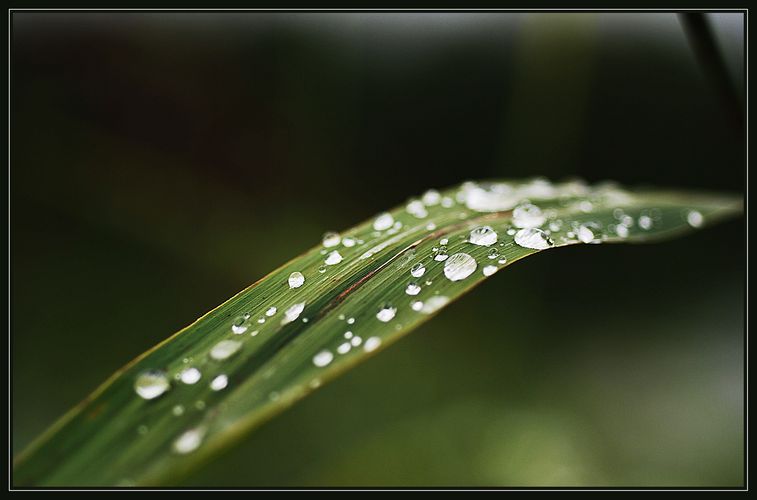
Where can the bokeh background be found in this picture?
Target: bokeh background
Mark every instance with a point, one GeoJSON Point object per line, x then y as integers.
{"type": "Point", "coordinates": [161, 162]}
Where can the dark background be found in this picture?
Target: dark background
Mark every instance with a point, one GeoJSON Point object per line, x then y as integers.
{"type": "Point", "coordinates": [162, 162]}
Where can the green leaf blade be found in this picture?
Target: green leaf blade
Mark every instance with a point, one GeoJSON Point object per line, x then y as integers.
{"type": "Point", "coordinates": [116, 437]}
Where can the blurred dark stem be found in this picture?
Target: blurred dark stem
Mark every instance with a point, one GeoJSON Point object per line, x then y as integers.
{"type": "Point", "coordinates": [702, 40]}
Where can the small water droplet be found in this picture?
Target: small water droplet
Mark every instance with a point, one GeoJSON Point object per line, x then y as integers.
{"type": "Point", "coordinates": [350, 321]}
{"type": "Point", "coordinates": [555, 225]}
{"type": "Point", "coordinates": [416, 305]}
{"type": "Point", "coordinates": [585, 206]}
{"type": "Point", "coordinates": [240, 324]}
{"type": "Point", "coordinates": [178, 410]}
{"type": "Point", "coordinates": [200, 404]}
{"type": "Point", "coordinates": [190, 376]}
{"type": "Point", "coordinates": [533, 238]}
{"type": "Point", "coordinates": [413, 288]}
{"type": "Point", "coordinates": [348, 241]}
{"type": "Point", "coordinates": [503, 260]}
{"type": "Point", "coordinates": [331, 239]}
{"type": "Point", "coordinates": [371, 344]}
{"type": "Point", "coordinates": [189, 441]}
{"type": "Point", "coordinates": [621, 230]}
{"type": "Point", "coordinates": [489, 270]}
{"type": "Point", "coordinates": [694, 218]}
{"type": "Point", "coordinates": [293, 313]}
{"type": "Point", "coordinates": [323, 358]}
{"type": "Point", "coordinates": [296, 279]}
{"type": "Point", "coordinates": [224, 349]}
{"type": "Point", "coordinates": [447, 202]}
{"type": "Point", "coordinates": [322, 269]}
{"type": "Point", "coordinates": [383, 221]}
{"type": "Point", "coordinates": [493, 253]}
{"type": "Point", "coordinates": [344, 348]}
{"type": "Point", "coordinates": [271, 311]}
{"type": "Point", "coordinates": [483, 236]}
{"type": "Point", "coordinates": [430, 226]}
{"type": "Point", "coordinates": [645, 222]}
{"type": "Point", "coordinates": [417, 209]}
{"type": "Point", "coordinates": [434, 304]}
{"type": "Point", "coordinates": [444, 241]}
{"type": "Point", "coordinates": [386, 313]}
{"type": "Point", "coordinates": [417, 270]}
{"type": "Point", "coordinates": [528, 215]}
{"type": "Point", "coordinates": [459, 266]}
{"type": "Point", "coordinates": [220, 382]}
{"type": "Point", "coordinates": [348, 335]}
{"type": "Point", "coordinates": [431, 197]}
{"type": "Point", "coordinates": [261, 320]}
{"type": "Point", "coordinates": [440, 254]}
{"type": "Point", "coordinates": [356, 341]}
{"type": "Point", "coordinates": [585, 235]}
{"type": "Point", "coordinates": [151, 384]}
{"type": "Point", "coordinates": [333, 258]}
{"type": "Point", "coordinates": [511, 232]}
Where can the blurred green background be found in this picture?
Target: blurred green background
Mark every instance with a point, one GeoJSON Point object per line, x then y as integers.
{"type": "Point", "coordinates": [162, 162]}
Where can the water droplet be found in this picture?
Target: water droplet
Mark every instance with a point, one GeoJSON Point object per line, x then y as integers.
{"type": "Point", "coordinates": [459, 266]}
{"type": "Point", "coordinates": [533, 238]}
{"type": "Point", "coordinates": [489, 270]}
{"type": "Point", "coordinates": [293, 313]}
{"type": "Point", "coordinates": [333, 258]}
{"type": "Point", "coordinates": [493, 253]}
{"type": "Point", "coordinates": [331, 239]}
{"type": "Point", "coordinates": [383, 221]}
{"type": "Point", "coordinates": [694, 218]}
{"type": "Point", "coordinates": [621, 230]}
{"type": "Point", "coordinates": [585, 235]}
{"type": "Point", "coordinates": [261, 320]}
{"type": "Point", "coordinates": [200, 404]}
{"type": "Point", "coordinates": [190, 375]}
{"type": "Point", "coordinates": [323, 358]}
{"type": "Point", "coordinates": [417, 270]}
{"type": "Point", "coordinates": [225, 349]}
{"type": "Point", "coordinates": [348, 335]}
{"type": "Point", "coordinates": [372, 344]}
{"type": "Point", "coordinates": [431, 197]}
{"type": "Point", "coordinates": [189, 441]}
{"type": "Point", "coordinates": [240, 324]}
{"type": "Point", "coordinates": [528, 215]}
{"type": "Point", "coordinates": [348, 241]}
{"type": "Point", "coordinates": [254, 333]}
{"type": "Point", "coordinates": [271, 311]}
{"type": "Point", "coordinates": [416, 305]}
{"type": "Point", "coordinates": [444, 241]}
{"type": "Point", "coordinates": [151, 384]}
{"type": "Point", "coordinates": [178, 410]}
{"type": "Point", "coordinates": [483, 236]}
{"type": "Point", "coordinates": [296, 279]}
{"type": "Point", "coordinates": [322, 269]}
{"type": "Point", "coordinates": [645, 222]}
{"type": "Point", "coordinates": [350, 321]}
{"type": "Point", "coordinates": [356, 341]}
{"type": "Point", "coordinates": [430, 226]}
{"type": "Point", "coordinates": [585, 206]}
{"type": "Point", "coordinates": [413, 289]}
{"type": "Point", "coordinates": [555, 225]}
{"type": "Point", "coordinates": [511, 232]}
{"type": "Point", "coordinates": [344, 348]}
{"type": "Point", "coordinates": [503, 260]}
{"type": "Point", "coordinates": [220, 382]}
{"type": "Point", "coordinates": [434, 304]}
{"type": "Point", "coordinates": [447, 202]}
{"type": "Point", "coordinates": [440, 254]}
{"type": "Point", "coordinates": [417, 209]}
{"type": "Point", "coordinates": [386, 313]}
{"type": "Point", "coordinates": [626, 220]}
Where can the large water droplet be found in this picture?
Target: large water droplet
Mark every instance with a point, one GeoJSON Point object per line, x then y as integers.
{"type": "Point", "coordinates": [386, 313]}
{"type": "Point", "coordinates": [293, 313]}
{"type": "Point", "coordinates": [434, 304]}
{"type": "Point", "coordinates": [383, 221]}
{"type": "Point", "coordinates": [224, 349]}
{"type": "Point", "coordinates": [431, 197]}
{"type": "Point", "coordinates": [331, 239]}
{"type": "Point", "coordinates": [413, 289]}
{"type": "Point", "coordinates": [417, 209]}
{"type": "Point", "coordinates": [190, 375]}
{"type": "Point", "coordinates": [528, 215]}
{"type": "Point", "coordinates": [220, 382]}
{"type": "Point", "coordinates": [694, 218]}
{"type": "Point", "coordinates": [371, 344]}
{"type": "Point", "coordinates": [296, 279]}
{"type": "Point", "coordinates": [344, 348]}
{"type": "Point", "coordinates": [348, 241]}
{"type": "Point", "coordinates": [645, 222]}
{"type": "Point", "coordinates": [323, 358]}
{"type": "Point", "coordinates": [533, 238]}
{"type": "Point", "coordinates": [484, 236]}
{"type": "Point", "coordinates": [417, 270]}
{"type": "Point", "coordinates": [151, 384]}
{"type": "Point", "coordinates": [189, 441]}
{"type": "Point", "coordinates": [459, 266]}
{"type": "Point", "coordinates": [585, 234]}
{"type": "Point", "coordinates": [333, 258]}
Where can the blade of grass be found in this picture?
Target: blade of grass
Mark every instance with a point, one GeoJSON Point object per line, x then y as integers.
{"type": "Point", "coordinates": [265, 348]}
